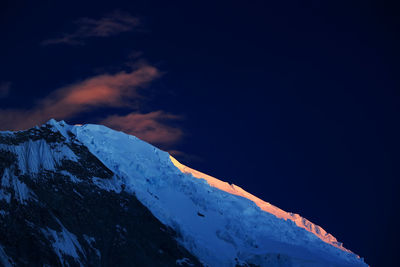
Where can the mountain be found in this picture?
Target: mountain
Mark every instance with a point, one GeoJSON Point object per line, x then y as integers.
{"type": "Point", "coordinates": [91, 196]}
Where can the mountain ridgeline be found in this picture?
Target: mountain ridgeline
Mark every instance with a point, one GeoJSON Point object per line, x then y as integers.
{"type": "Point", "coordinates": [90, 196]}
{"type": "Point", "coordinates": [53, 214]}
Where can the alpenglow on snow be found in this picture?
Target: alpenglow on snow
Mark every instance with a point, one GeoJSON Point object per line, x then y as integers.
{"type": "Point", "coordinates": [88, 195]}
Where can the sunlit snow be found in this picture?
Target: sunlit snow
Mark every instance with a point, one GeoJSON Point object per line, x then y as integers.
{"type": "Point", "coordinates": [220, 223]}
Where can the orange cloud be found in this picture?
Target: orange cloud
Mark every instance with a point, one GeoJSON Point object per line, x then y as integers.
{"type": "Point", "coordinates": [149, 127]}
{"type": "Point", "coordinates": [106, 90]}
{"type": "Point", "coordinates": [117, 90]}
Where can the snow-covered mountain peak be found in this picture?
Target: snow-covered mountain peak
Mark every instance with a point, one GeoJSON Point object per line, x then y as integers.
{"type": "Point", "coordinates": [219, 223]}
{"type": "Point", "coordinates": [60, 206]}
{"type": "Point", "coordinates": [246, 224]}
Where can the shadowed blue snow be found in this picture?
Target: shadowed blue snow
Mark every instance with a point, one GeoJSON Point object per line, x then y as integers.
{"type": "Point", "coordinates": [220, 228]}
{"type": "Point", "coordinates": [232, 229]}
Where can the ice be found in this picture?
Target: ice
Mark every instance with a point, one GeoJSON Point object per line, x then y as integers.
{"type": "Point", "coordinates": [108, 185]}
{"type": "Point", "coordinates": [34, 156]}
{"type": "Point", "coordinates": [20, 189]}
{"type": "Point", "coordinates": [4, 259]}
{"type": "Point", "coordinates": [73, 178]}
{"type": "Point", "coordinates": [64, 243]}
{"type": "Point", "coordinates": [220, 223]}
{"type": "Point", "coordinates": [184, 262]}
{"type": "Point", "coordinates": [91, 241]}
{"type": "Point", "coordinates": [5, 196]}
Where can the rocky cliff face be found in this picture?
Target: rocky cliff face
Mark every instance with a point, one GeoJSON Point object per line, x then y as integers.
{"type": "Point", "coordinates": [54, 213]}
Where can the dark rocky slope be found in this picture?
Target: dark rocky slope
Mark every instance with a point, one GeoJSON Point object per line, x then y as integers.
{"type": "Point", "coordinates": [61, 217]}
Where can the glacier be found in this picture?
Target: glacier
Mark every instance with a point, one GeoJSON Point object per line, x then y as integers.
{"type": "Point", "coordinates": [234, 227]}
{"type": "Point", "coordinates": [219, 223]}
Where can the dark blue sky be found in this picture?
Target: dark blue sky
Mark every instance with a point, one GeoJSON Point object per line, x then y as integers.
{"type": "Point", "coordinates": [297, 102]}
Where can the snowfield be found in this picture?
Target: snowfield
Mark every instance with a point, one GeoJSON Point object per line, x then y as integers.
{"type": "Point", "coordinates": [219, 223]}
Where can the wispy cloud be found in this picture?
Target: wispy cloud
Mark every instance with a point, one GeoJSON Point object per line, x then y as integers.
{"type": "Point", "coordinates": [110, 25]}
{"type": "Point", "coordinates": [4, 89]}
{"type": "Point", "coordinates": [106, 90]}
{"type": "Point", "coordinates": [119, 90]}
{"type": "Point", "coordinates": [150, 126]}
